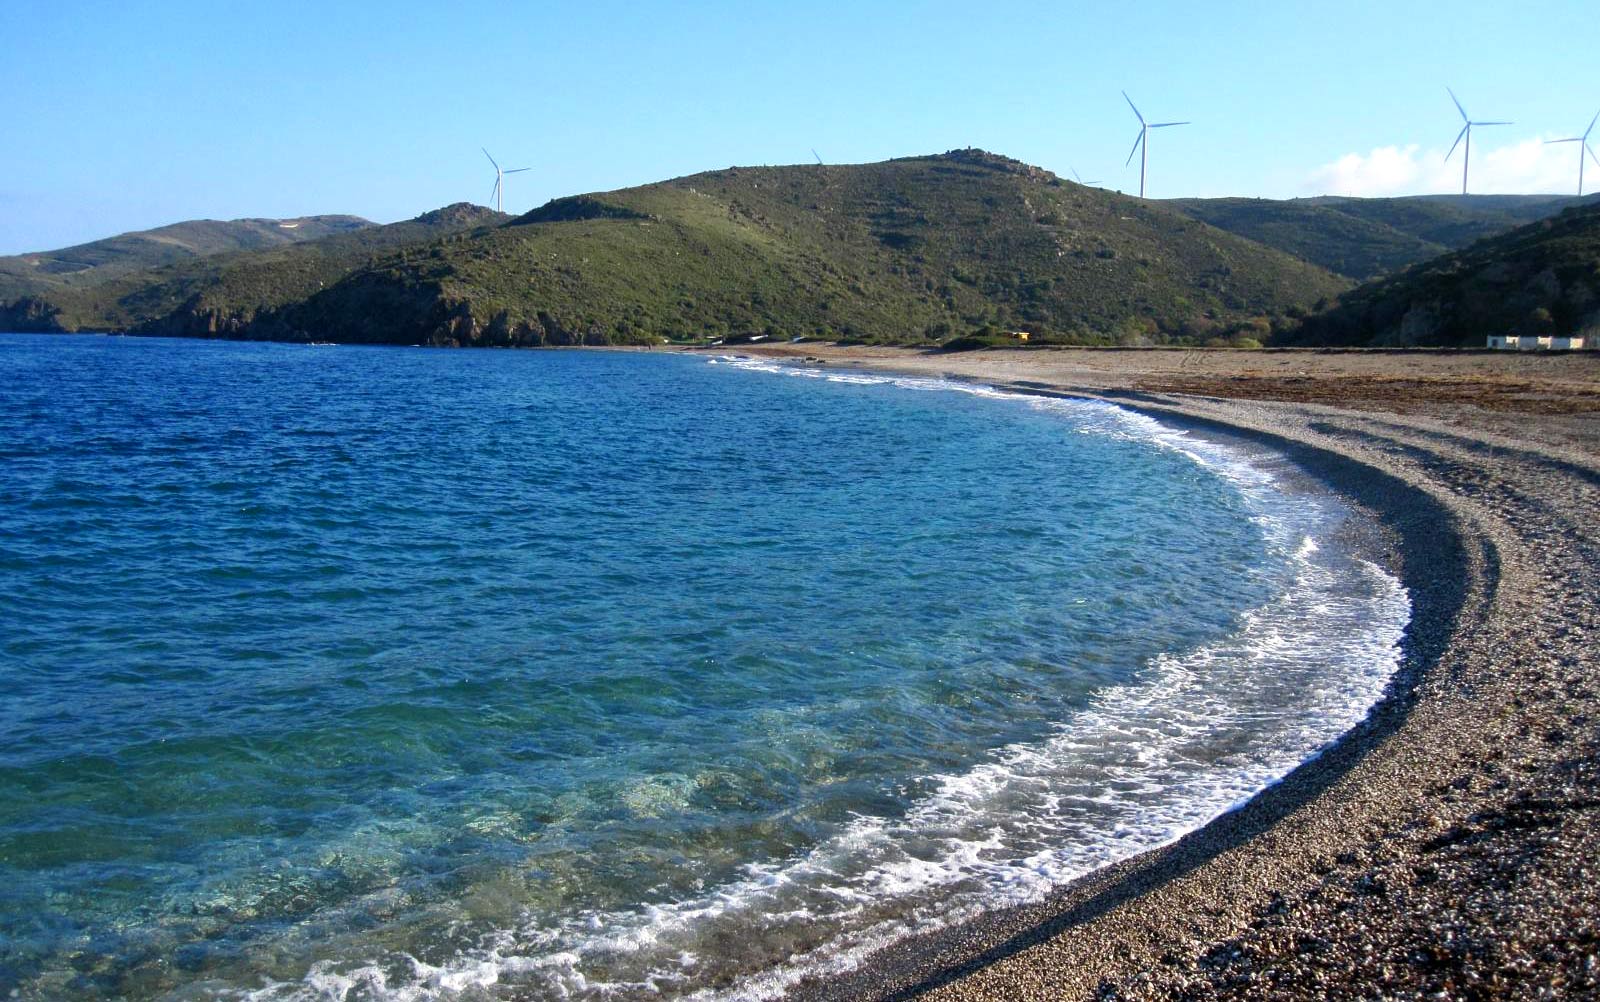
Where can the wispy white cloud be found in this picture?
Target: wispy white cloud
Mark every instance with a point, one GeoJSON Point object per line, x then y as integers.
{"type": "Point", "coordinates": [1525, 167]}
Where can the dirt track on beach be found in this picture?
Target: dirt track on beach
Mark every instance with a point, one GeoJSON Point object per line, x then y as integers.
{"type": "Point", "coordinates": [1446, 848]}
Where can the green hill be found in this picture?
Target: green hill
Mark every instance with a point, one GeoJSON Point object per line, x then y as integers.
{"type": "Point", "coordinates": [918, 249]}
{"type": "Point", "coordinates": [1364, 238]}
{"type": "Point", "coordinates": [90, 263]}
{"type": "Point", "coordinates": [1543, 278]}
{"type": "Point", "coordinates": [1451, 220]}
{"type": "Point", "coordinates": [224, 292]}
{"type": "Point", "coordinates": [923, 248]}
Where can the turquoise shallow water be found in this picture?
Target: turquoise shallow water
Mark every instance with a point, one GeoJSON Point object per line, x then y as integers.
{"type": "Point", "coordinates": [361, 673]}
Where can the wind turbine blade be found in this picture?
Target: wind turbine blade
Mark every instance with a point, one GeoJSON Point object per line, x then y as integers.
{"type": "Point", "coordinates": [1590, 129]}
{"type": "Point", "coordinates": [517, 170]}
{"type": "Point", "coordinates": [1453, 145]}
{"type": "Point", "coordinates": [1463, 111]}
{"type": "Point", "coordinates": [491, 159]}
{"type": "Point", "coordinates": [495, 190]}
{"type": "Point", "coordinates": [1552, 142]}
{"type": "Point", "coordinates": [1494, 123]}
{"type": "Point", "coordinates": [1135, 149]}
{"type": "Point", "coordinates": [1591, 155]}
{"type": "Point", "coordinates": [817, 155]}
{"type": "Point", "coordinates": [1163, 125]}
{"type": "Point", "coordinates": [1128, 99]}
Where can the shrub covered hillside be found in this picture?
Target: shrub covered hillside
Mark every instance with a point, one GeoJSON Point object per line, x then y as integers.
{"type": "Point", "coordinates": [1542, 278]}
{"type": "Point", "coordinates": [920, 249]}
{"type": "Point", "coordinates": [1346, 245]}
{"type": "Point", "coordinates": [91, 263]}
{"type": "Point", "coordinates": [1365, 238]}
{"type": "Point", "coordinates": [223, 293]}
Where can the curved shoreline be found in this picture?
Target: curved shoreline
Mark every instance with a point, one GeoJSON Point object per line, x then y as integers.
{"type": "Point", "coordinates": [1443, 845]}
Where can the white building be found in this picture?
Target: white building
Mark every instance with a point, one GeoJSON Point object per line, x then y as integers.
{"type": "Point", "coordinates": [1537, 342]}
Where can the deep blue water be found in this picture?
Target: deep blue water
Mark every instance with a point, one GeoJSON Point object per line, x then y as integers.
{"type": "Point", "coordinates": [365, 672]}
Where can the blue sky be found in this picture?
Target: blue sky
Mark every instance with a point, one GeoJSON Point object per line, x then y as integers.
{"type": "Point", "coordinates": [131, 114]}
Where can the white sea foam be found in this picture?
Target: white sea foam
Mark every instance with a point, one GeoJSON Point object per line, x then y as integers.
{"type": "Point", "coordinates": [1195, 734]}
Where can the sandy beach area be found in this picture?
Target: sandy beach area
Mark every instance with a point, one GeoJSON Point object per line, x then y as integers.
{"type": "Point", "coordinates": [1447, 847]}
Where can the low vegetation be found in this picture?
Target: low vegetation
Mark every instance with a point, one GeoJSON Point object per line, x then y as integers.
{"type": "Point", "coordinates": [1366, 238]}
{"type": "Point", "coordinates": [1543, 278]}
{"type": "Point", "coordinates": [964, 249]}
{"type": "Point", "coordinates": [223, 293]}
{"type": "Point", "coordinates": [922, 250]}
{"type": "Point", "coordinates": [89, 264]}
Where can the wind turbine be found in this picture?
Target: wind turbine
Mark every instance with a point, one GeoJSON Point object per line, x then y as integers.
{"type": "Point", "coordinates": [1465, 133]}
{"type": "Point", "coordinates": [1141, 145]}
{"type": "Point", "coordinates": [498, 194]}
{"type": "Point", "coordinates": [1583, 147]}
{"type": "Point", "coordinates": [817, 155]}
{"type": "Point", "coordinates": [1080, 180]}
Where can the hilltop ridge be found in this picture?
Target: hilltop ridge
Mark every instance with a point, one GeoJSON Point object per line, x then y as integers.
{"type": "Point", "coordinates": [101, 260]}
{"type": "Point", "coordinates": [919, 249]}
{"type": "Point", "coordinates": [960, 246]}
{"type": "Point", "coordinates": [220, 293]}
{"type": "Point", "coordinates": [1366, 238]}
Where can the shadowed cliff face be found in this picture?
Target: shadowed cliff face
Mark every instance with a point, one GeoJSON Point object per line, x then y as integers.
{"type": "Point", "coordinates": [30, 315]}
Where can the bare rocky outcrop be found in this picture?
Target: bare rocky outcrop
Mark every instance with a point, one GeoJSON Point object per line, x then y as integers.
{"type": "Point", "coordinates": [30, 315]}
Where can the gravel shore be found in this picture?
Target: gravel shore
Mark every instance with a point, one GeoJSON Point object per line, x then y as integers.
{"type": "Point", "coordinates": [1447, 847]}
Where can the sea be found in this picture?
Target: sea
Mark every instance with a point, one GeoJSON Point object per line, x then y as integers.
{"type": "Point", "coordinates": [368, 673]}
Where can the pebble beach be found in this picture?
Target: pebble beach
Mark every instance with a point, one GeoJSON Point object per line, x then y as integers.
{"type": "Point", "coordinates": [1446, 847]}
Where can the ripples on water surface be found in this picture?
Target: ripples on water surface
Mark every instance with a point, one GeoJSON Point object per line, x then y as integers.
{"type": "Point", "coordinates": [338, 673]}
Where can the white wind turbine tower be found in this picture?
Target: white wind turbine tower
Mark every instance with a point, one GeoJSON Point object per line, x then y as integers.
{"type": "Point", "coordinates": [1465, 133]}
{"type": "Point", "coordinates": [498, 195]}
{"type": "Point", "coordinates": [1583, 147]}
{"type": "Point", "coordinates": [1141, 145]}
